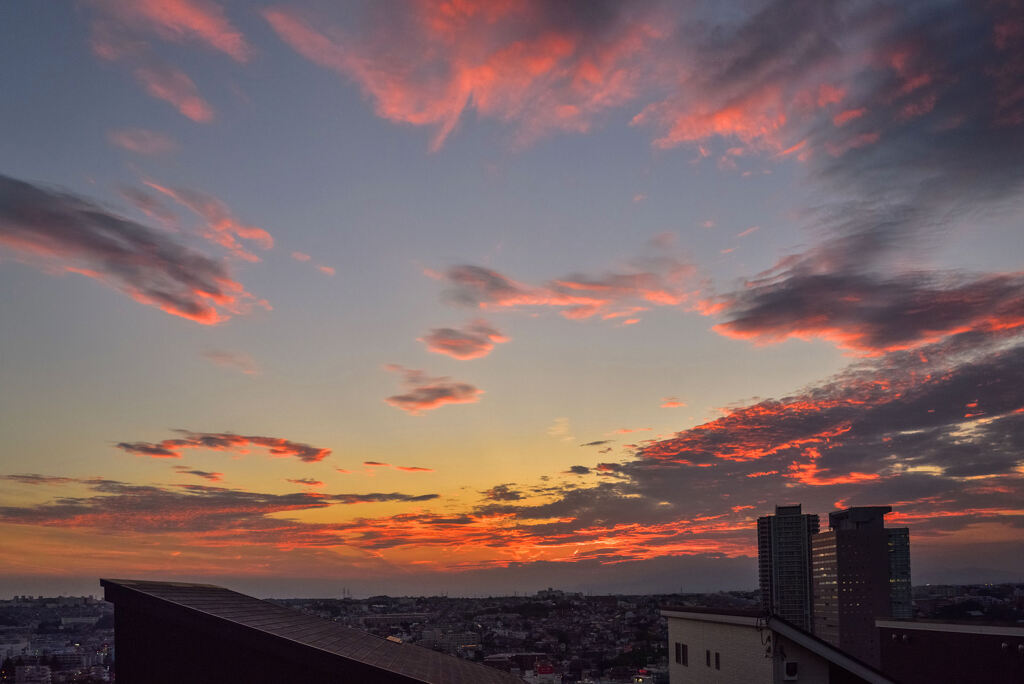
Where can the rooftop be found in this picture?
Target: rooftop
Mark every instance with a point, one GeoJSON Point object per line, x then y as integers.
{"type": "Point", "coordinates": [260, 622]}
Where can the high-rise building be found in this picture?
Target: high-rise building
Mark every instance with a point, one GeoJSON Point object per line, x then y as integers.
{"type": "Point", "coordinates": [784, 563]}
{"type": "Point", "coordinates": [901, 597]}
{"type": "Point", "coordinates": [861, 572]}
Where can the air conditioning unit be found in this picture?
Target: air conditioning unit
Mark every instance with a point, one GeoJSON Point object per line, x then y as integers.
{"type": "Point", "coordinates": [791, 671]}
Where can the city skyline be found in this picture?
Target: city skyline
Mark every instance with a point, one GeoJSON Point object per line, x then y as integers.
{"type": "Point", "coordinates": [485, 297]}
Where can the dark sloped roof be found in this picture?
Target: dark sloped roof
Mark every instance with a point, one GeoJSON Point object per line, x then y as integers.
{"type": "Point", "coordinates": [827, 651]}
{"type": "Point", "coordinates": [229, 609]}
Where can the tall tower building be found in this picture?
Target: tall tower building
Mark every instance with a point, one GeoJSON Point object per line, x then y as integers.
{"type": "Point", "coordinates": [861, 571]}
{"type": "Point", "coordinates": [784, 563]}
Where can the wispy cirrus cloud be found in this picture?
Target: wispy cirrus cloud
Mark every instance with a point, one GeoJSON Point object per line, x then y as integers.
{"type": "Point", "coordinates": [220, 226]}
{"type": "Point", "coordinates": [238, 361]}
{"type": "Point", "coordinates": [225, 441]}
{"type": "Point", "coordinates": [474, 340]}
{"type": "Point", "coordinates": [174, 86]}
{"type": "Point", "coordinates": [531, 65]}
{"type": "Point", "coordinates": [425, 393]}
{"type": "Point", "coordinates": [142, 141]}
{"type": "Point", "coordinates": [408, 469]}
{"type": "Point", "coordinates": [205, 474]}
{"type": "Point", "coordinates": [662, 280]}
{"type": "Point", "coordinates": [305, 258]}
{"type": "Point", "coordinates": [122, 29]}
{"type": "Point", "coordinates": [306, 481]}
{"type": "Point", "coordinates": [35, 479]}
{"type": "Point", "coordinates": [200, 21]}
{"type": "Point", "coordinates": [59, 231]}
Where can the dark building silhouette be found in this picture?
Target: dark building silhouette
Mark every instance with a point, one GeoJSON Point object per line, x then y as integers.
{"type": "Point", "coordinates": [784, 564]}
{"type": "Point", "coordinates": [861, 571]}
{"type": "Point", "coordinates": [172, 632]}
{"type": "Point", "coordinates": [924, 652]}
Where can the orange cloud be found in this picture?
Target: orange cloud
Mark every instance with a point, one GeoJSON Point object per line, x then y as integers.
{"type": "Point", "coordinates": [307, 481]}
{"type": "Point", "coordinates": [810, 474]}
{"type": "Point", "coordinates": [672, 402]}
{"type": "Point", "coordinates": [473, 341]}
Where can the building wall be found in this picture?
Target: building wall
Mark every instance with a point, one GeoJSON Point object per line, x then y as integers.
{"type": "Point", "coordinates": [812, 668]}
{"type": "Point", "coordinates": [784, 564]}
{"type": "Point", "coordinates": [824, 571]}
{"type": "Point", "coordinates": [920, 656]}
{"type": "Point", "coordinates": [901, 598]}
{"type": "Point", "coordinates": [740, 648]}
{"type": "Point", "coordinates": [863, 577]}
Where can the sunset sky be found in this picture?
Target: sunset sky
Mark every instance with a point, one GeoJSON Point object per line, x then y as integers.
{"type": "Point", "coordinates": [487, 296]}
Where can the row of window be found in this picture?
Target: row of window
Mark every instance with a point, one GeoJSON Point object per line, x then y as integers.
{"type": "Point", "coordinates": [683, 656]}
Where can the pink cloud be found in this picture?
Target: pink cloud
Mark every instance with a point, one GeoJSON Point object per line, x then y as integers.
{"type": "Point", "coordinates": [473, 341]}
{"type": "Point", "coordinates": [672, 402]}
{"type": "Point", "coordinates": [749, 231]}
{"type": "Point", "coordinates": [174, 87]}
{"type": "Point", "coordinates": [508, 61]}
{"type": "Point", "coordinates": [142, 141]}
{"type": "Point", "coordinates": [221, 227]}
{"type": "Point", "coordinates": [663, 280]}
{"type": "Point", "coordinates": [424, 393]}
{"type": "Point", "coordinates": [240, 362]}
{"type": "Point", "coordinates": [301, 256]}
{"type": "Point", "coordinates": [179, 20]}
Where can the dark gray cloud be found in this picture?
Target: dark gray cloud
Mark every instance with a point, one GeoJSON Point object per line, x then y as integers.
{"type": "Point", "coordinates": [596, 443]}
{"type": "Point", "coordinates": [54, 228]}
{"type": "Point", "coordinates": [503, 492]}
{"type": "Point", "coordinates": [205, 474]}
{"type": "Point", "coordinates": [874, 314]}
{"type": "Point", "coordinates": [579, 470]}
{"type": "Point", "coordinates": [34, 479]}
{"type": "Point", "coordinates": [225, 441]}
{"type": "Point", "coordinates": [192, 508]}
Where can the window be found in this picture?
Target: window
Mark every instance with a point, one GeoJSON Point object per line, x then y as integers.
{"type": "Point", "coordinates": [718, 661]}
{"type": "Point", "coordinates": [686, 654]}
{"type": "Point", "coordinates": [707, 657]}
